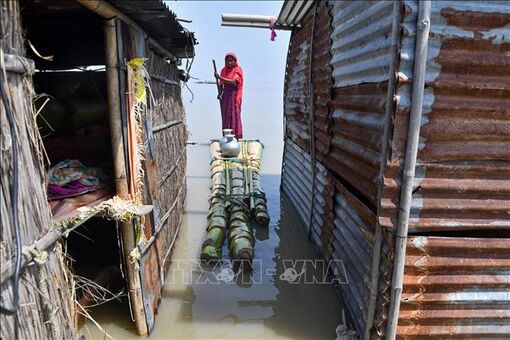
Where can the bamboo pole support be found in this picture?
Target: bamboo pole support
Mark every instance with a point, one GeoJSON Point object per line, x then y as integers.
{"type": "Point", "coordinates": [119, 165]}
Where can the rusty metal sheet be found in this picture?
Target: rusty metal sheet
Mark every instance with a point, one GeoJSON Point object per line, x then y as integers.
{"type": "Point", "coordinates": [361, 42]}
{"type": "Point", "coordinates": [292, 13]}
{"type": "Point", "coordinates": [296, 98]}
{"type": "Point", "coordinates": [296, 183]}
{"type": "Point", "coordinates": [353, 245]}
{"type": "Point", "coordinates": [322, 79]}
{"type": "Point", "coordinates": [456, 287]}
{"type": "Point", "coordinates": [358, 123]}
{"type": "Point", "coordinates": [462, 182]}
{"type": "Point", "coordinates": [463, 170]}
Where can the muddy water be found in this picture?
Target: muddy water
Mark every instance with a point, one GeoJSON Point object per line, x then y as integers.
{"type": "Point", "coordinates": [272, 302]}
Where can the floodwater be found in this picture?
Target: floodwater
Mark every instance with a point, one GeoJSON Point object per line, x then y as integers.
{"type": "Point", "coordinates": [204, 303]}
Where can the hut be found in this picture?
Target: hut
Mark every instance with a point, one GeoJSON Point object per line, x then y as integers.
{"type": "Point", "coordinates": [399, 111]}
{"type": "Point", "coordinates": [93, 123]}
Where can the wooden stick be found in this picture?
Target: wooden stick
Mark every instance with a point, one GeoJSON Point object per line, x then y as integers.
{"type": "Point", "coordinates": [220, 94]}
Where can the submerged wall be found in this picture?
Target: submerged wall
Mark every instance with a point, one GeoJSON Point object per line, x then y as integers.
{"type": "Point", "coordinates": [456, 273]}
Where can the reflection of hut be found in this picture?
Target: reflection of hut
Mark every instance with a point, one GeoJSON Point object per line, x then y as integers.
{"type": "Point", "coordinates": [108, 96]}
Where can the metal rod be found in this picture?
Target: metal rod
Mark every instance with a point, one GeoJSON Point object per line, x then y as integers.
{"type": "Point", "coordinates": [259, 25]}
{"type": "Point", "coordinates": [251, 21]}
{"type": "Point", "coordinates": [413, 136]}
{"type": "Point", "coordinates": [246, 18]}
{"type": "Point", "coordinates": [171, 247]}
{"type": "Point", "coordinates": [312, 123]}
{"type": "Point", "coordinates": [390, 99]}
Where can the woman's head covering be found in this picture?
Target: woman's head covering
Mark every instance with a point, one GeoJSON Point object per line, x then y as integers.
{"type": "Point", "coordinates": [236, 73]}
{"type": "Point", "coordinates": [233, 55]}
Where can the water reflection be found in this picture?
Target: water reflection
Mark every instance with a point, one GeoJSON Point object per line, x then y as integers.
{"type": "Point", "coordinates": [203, 302]}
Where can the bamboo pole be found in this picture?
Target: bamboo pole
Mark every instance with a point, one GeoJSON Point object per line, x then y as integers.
{"type": "Point", "coordinates": [240, 232]}
{"type": "Point", "coordinates": [259, 207]}
{"type": "Point", "coordinates": [119, 165]}
{"type": "Point", "coordinates": [113, 88]}
{"type": "Point", "coordinates": [218, 214]}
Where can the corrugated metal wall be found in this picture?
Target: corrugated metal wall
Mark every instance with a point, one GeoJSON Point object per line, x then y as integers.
{"type": "Point", "coordinates": [461, 194]}
{"type": "Point", "coordinates": [456, 286]}
{"type": "Point", "coordinates": [361, 41]}
{"type": "Point", "coordinates": [297, 183]}
{"type": "Point", "coordinates": [462, 181]}
{"type": "Point", "coordinates": [360, 50]}
{"type": "Point", "coordinates": [463, 167]}
{"type": "Point", "coordinates": [296, 104]}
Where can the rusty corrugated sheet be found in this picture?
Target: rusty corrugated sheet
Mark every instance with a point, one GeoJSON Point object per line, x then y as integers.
{"type": "Point", "coordinates": [296, 100]}
{"type": "Point", "coordinates": [296, 183]}
{"type": "Point", "coordinates": [322, 78]}
{"type": "Point", "coordinates": [353, 244]}
{"type": "Point", "coordinates": [361, 40]}
{"type": "Point", "coordinates": [462, 181]}
{"type": "Point", "coordinates": [293, 12]}
{"type": "Point", "coordinates": [463, 165]}
{"type": "Point", "coordinates": [456, 287]}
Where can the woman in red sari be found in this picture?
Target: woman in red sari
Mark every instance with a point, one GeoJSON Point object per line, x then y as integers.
{"type": "Point", "coordinates": [231, 82]}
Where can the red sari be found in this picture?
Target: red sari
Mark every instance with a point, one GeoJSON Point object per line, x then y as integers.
{"type": "Point", "coordinates": [232, 97]}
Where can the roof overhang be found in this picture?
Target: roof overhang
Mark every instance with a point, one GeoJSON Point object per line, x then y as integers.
{"type": "Point", "coordinates": [290, 17]}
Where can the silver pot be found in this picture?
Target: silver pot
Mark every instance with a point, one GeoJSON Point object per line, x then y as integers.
{"type": "Point", "coordinates": [229, 144]}
{"type": "Point", "coordinates": [226, 132]}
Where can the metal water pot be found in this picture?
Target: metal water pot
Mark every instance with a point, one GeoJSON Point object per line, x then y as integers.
{"type": "Point", "coordinates": [229, 145]}
{"type": "Point", "coordinates": [226, 132]}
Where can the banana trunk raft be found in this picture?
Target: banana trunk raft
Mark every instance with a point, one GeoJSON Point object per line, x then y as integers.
{"type": "Point", "coordinates": [236, 200]}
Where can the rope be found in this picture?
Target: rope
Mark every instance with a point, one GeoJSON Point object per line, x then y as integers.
{"type": "Point", "coordinates": [39, 257]}
{"type": "Point", "coordinates": [235, 160]}
{"type": "Point", "coordinates": [232, 198]}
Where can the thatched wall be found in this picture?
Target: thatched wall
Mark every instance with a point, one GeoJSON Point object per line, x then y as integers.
{"type": "Point", "coordinates": [45, 303]}
{"type": "Point", "coordinates": [170, 142]}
